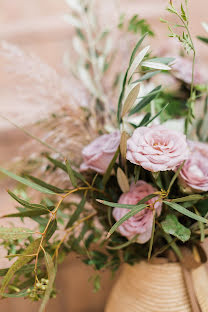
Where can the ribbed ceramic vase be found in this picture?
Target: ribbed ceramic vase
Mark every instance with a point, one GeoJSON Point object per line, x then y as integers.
{"type": "Point", "coordinates": [148, 287]}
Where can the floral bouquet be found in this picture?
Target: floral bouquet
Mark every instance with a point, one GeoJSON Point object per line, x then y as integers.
{"type": "Point", "coordinates": [140, 193]}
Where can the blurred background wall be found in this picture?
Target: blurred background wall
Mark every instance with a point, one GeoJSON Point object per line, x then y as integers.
{"type": "Point", "coordinates": [37, 26]}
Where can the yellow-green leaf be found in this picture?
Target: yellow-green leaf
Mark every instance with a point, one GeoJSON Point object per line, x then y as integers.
{"type": "Point", "coordinates": [27, 255]}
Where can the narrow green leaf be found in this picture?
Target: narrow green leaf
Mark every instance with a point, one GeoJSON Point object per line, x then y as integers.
{"type": "Point", "coordinates": [155, 65]}
{"type": "Point", "coordinates": [77, 212]}
{"type": "Point", "coordinates": [137, 170]}
{"type": "Point", "coordinates": [175, 177]}
{"type": "Point", "coordinates": [204, 39]}
{"type": "Point", "coordinates": [51, 278]}
{"type": "Point", "coordinates": [163, 60]}
{"type": "Point", "coordinates": [124, 245]}
{"type": "Point", "coordinates": [147, 76]}
{"type": "Point", "coordinates": [27, 256]}
{"type": "Point", "coordinates": [152, 237]}
{"type": "Point", "coordinates": [51, 230]}
{"type": "Point", "coordinates": [110, 167]}
{"type": "Point", "coordinates": [125, 78]}
{"type": "Point", "coordinates": [173, 245]}
{"type": "Point", "coordinates": [16, 295]}
{"type": "Point", "coordinates": [128, 215]}
{"type": "Point", "coordinates": [146, 100]}
{"type": "Point", "coordinates": [188, 198]}
{"type": "Point", "coordinates": [201, 226]}
{"type": "Point", "coordinates": [46, 185]}
{"type": "Point", "coordinates": [172, 226]}
{"type": "Point", "coordinates": [71, 174]}
{"type": "Point", "coordinates": [27, 213]}
{"type": "Point", "coordinates": [136, 48]}
{"type": "Point", "coordinates": [154, 117]}
{"type": "Point", "coordinates": [26, 204]}
{"type": "Point", "coordinates": [186, 212]}
{"type": "Point", "coordinates": [125, 206]}
{"type": "Point", "coordinates": [15, 233]}
{"type": "Point", "coordinates": [62, 166]}
{"type": "Point", "coordinates": [26, 182]}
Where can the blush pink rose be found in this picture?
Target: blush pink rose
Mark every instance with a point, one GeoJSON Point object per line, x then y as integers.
{"type": "Point", "coordinates": [182, 70]}
{"type": "Point", "coordinates": [99, 153]}
{"type": "Point", "coordinates": [157, 148]}
{"type": "Point", "coordinates": [194, 173]}
{"type": "Point", "coordinates": [142, 222]}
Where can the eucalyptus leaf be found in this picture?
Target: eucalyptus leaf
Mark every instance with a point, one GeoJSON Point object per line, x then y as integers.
{"type": "Point", "coordinates": [147, 76]}
{"type": "Point", "coordinates": [77, 212]}
{"type": "Point", "coordinates": [71, 174]}
{"type": "Point", "coordinates": [146, 100]}
{"type": "Point", "coordinates": [186, 212]}
{"type": "Point", "coordinates": [27, 255]}
{"type": "Point", "coordinates": [110, 167]}
{"type": "Point", "coordinates": [15, 233]}
{"type": "Point", "coordinates": [128, 215]}
{"type": "Point", "coordinates": [137, 60]}
{"type": "Point", "coordinates": [51, 278]}
{"type": "Point", "coordinates": [188, 198]}
{"type": "Point", "coordinates": [27, 213]}
{"type": "Point", "coordinates": [26, 182]}
{"type": "Point", "coordinates": [51, 230]}
{"type": "Point", "coordinates": [25, 203]}
{"type": "Point", "coordinates": [155, 65]}
{"type": "Point", "coordinates": [48, 186]}
{"type": "Point", "coordinates": [172, 226]}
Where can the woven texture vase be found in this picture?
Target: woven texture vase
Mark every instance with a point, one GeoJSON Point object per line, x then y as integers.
{"type": "Point", "coordinates": [148, 287]}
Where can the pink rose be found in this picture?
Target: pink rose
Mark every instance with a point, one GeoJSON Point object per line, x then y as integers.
{"type": "Point", "coordinates": [195, 170]}
{"type": "Point", "coordinates": [141, 223]}
{"type": "Point", "coordinates": [99, 153]}
{"type": "Point", "coordinates": [157, 148]}
{"type": "Point", "coordinates": [182, 70]}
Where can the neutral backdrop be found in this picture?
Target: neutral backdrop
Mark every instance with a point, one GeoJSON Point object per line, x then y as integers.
{"type": "Point", "coordinates": [37, 26]}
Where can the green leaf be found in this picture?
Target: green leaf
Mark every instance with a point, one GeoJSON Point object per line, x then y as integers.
{"type": "Point", "coordinates": [146, 100]}
{"type": "Point", "coordinates": [77, 212]}
{"type": "Point", "coordinates": [27, 213]}
{"type": "Point", "coordinates": [27, 256]}
{"type": "Point", "coordinates": [16, 295]}
{"type": "Point", "coordinates": [147, 76]}
{"type": "Point", "coordinates": [107, 174]}
{"type": "Point", "coordinates": [124, 245]}
{"type": "Point", "coordinates": [136, 48]}
{"type": "Point", "coordinates": [15, 233]}
{"type": "Point", "coordinates": [137, 60]}
{"type": "Point", "coordinates": [152, 237]}
{"type": "Point", "coordinates": [125, 206]}
{"type": "Point", "coordinates": [26, 182]}
{"type": "Point", "coordinates": [71, 174]}
{"type": "Point", "coordinates": [125, 77]}
{"type": "Point", "coordinates": [163, 60]}
{"type": "Point", "coordinates": [51, 278]}
{"type": "Point", "coordinates": [172, 226]}
{"type": "Point", "coordinates": [51, 229]}
{"type": "Point", "coordinates": [155, 65]}
{"type": "Point", "coordinates": [188, 198]}
{"type": "Point", "coordinates": [25, 203]}
{"type": "Point", "coordinates": [183, 13]}
{"type": "Point", "coordinates": [186, 212]}
{"type": "Point", "coordinates": [150, 120]}
{"type": "Point", "coordinates": [46, 185]}
{"type": "Point", "coordinates": [128, 215]}
{"type": "Point", "coordinates": [175, 177]}
{"type": "Point", "coordinates": [204, 39]}
{"type": "Point", "coordinates": [62, 166]}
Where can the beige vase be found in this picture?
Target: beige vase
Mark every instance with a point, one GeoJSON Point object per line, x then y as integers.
{"type": "Point", "coordinates": [148, 287]}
